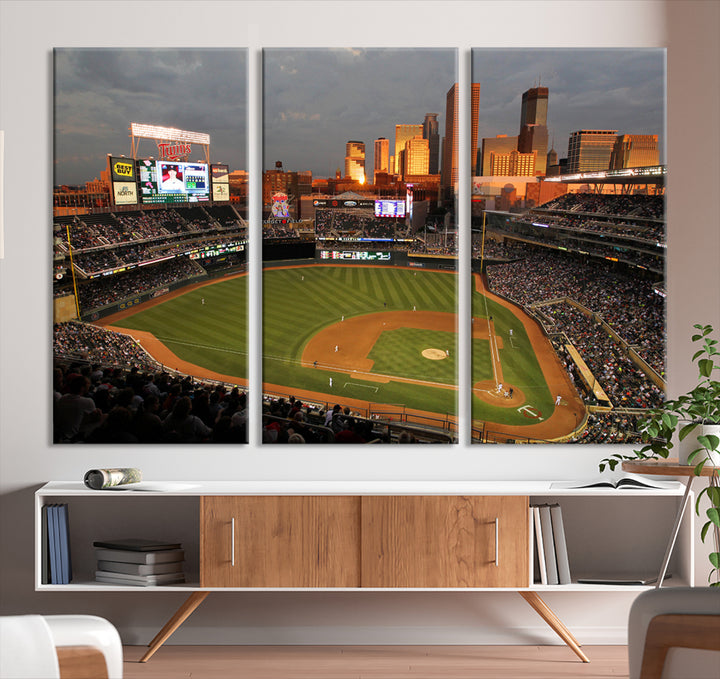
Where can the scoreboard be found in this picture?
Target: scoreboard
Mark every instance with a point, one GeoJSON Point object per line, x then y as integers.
{"type": "Point", "coordinates": [355, 255]}
{"type": "Point", "coordinates": [390, 208]}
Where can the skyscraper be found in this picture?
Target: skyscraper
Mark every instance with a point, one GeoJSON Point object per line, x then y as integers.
{"type": "Point", "coordinates": [501, 144]}
{"type": "Point", "coordinates": [355, 160]}
{"type": "Point", "coordinates": [590, 150]}
{"type": "Point", "coordinates": [451, 141]}
{"type": "Point", "coordinates": [635, 150]}
{"type": "Point", "coordinates": [416, 157]}
{"type": "Point", "coordinates": [533, 126]}
{"type": "Point", "coordinates": [402, 134]}
{"type": "Point", "coordinates": [534, 107]}
{"type": "Point", "coordinates": [381, 156]}
{"type": "Point", "coordinates": [431, 132]}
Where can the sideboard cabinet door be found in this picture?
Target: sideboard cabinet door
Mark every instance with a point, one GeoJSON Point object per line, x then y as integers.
{"type": "Point", "coordinates": [445, 541]}
{"type": "Point", "coordinates": [288, 541]}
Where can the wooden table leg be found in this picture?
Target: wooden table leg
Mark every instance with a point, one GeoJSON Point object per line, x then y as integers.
{"type": "Point", "coordinates": [546, 613]}
{"type": "Point", "coordinates": [180, 616]}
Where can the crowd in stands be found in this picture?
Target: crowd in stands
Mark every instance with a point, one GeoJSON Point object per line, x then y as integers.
{"type": "Point", "coordinates": [358, 224]}
{"type": "Point", "coordinates": [621, 380]}
{"type": "Point", "coordinates": [505, 249]}
{"type": "Point", "coordinates": [279, 231]}
{"type": "Point", "coordinates": [627, 303]}
{"type": "Point", "coordinates": [99, 292]}
{"type": "Point", "coordinates": [290, 420]}
{"type": "Point", "coordinates": [648, 233]}
{"type": "Point", "coordinates": [100, 231]}
{"type": "Point", "coordinates": [97, 402]}
{"type": "Point", "coordinates": [610, 427]}
{"type": "Point", "coordinates": [635, 205]}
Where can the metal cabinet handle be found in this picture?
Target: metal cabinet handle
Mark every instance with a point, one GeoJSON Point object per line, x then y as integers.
{"type": "Point", "coordinates": [497, 541]}
{"type": "Point", "coordinates": [232, 541]}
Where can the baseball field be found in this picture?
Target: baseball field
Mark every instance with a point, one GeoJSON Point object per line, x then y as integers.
{"type": "Point", "coordinates": [358, 334]}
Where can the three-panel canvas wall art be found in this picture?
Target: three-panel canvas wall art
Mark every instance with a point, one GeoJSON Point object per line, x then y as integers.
{"type": "Point", "coordinates": [356, 227]}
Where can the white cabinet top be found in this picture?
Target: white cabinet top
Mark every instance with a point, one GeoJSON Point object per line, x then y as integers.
{"type": "Point", "coordinates": [198, 488]}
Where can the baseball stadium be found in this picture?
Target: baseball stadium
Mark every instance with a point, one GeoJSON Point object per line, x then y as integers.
{"type": "Point", "coordinates": [359, 312]}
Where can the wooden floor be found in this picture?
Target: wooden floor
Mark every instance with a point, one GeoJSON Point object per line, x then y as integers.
{"type": "Point", "coordinates": [375, 662]}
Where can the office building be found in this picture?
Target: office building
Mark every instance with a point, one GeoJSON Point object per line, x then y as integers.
{"type": "Point", "coordinates": [402, 134]}
{"type": "Point", "coordinates": [355, 161]}
{"type": "Point", "coordinates": [513, 164]}
{"type": "Point", "coordinates": [431, 132]}
{"type": "Point", "coordinates": [533, 135]}
{"type": "Point", "coordinates": [451, 140]}
{"type": "Point", "coordinates": [635, 150]}
{"type": "Point", "coordinates": [381, 156]}
{"type": "Point", "coordinates": [534, 107]}
{"type": "Point", "coordinates": [416, 157]}
{"type": "Point", "coordinates": [590, 150]}
{"type": "Point", "coordinates": [502, 144]}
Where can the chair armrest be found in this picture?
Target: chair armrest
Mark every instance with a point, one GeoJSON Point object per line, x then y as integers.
{"type": "Point", "coordinates": [677, 631]}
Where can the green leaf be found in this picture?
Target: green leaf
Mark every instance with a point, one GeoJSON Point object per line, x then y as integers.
{"type": "Point", "coordinates": [687, 429]}
{"type": "Point", "coordinates": [713, 493]}
{"type": "Point", "coordinates": [715, 559]}
{"type": "Point", "coordinates": [714, 516]}
{"type": "Point", "coordinates": [709, 441]}
{"type": "Point", "coordinates": [704, 530]}
{"type": "Point", "coordinates": [705, 366]}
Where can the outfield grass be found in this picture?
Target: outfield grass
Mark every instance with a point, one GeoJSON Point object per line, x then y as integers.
{"type": "Point", "coordinates": [213, 335]}
{"type": "Point", "coordinates": [299, 302]}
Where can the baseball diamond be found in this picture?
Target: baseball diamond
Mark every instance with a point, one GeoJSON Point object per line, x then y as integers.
{"type": "Point", "coordinates": [379, 334]}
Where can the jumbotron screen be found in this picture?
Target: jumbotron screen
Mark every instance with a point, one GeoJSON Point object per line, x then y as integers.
{"type": "Point", "coordinates": [390, 208]}
{"type": "Point", "coordinates": [165, 181]}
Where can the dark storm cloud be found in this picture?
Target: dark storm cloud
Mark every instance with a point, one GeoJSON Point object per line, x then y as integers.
{"type": "Point", "coordinates": [99, 92]}
{"type": "Point", "coordinates": [616, 89]}
{"type": "Point", "coordinates": [315, 101]}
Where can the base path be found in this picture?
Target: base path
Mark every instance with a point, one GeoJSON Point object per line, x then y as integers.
{"type": "Point", "coordinates": [565, 417]}
{"type": "Point", "coordinates": [345, 346]}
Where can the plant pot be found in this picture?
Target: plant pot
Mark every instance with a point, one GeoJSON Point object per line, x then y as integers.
{"type": "Point", "coordinates": [690, 443]}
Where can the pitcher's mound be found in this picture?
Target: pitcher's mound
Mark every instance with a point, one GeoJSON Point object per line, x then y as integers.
{"type": "Point", "coordinates": [434, 354]}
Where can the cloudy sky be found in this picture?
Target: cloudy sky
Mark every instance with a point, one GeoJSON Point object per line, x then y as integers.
{"type": "Point", "coordinates": [99, 92]}
{"type": "Point", "coordinates": [316, 100]}
{"type": "Point", "coordinates": [616, 89]}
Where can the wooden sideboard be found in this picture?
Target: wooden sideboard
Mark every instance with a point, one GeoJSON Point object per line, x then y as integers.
{"type": "Point", "coordinates": [375, 536]}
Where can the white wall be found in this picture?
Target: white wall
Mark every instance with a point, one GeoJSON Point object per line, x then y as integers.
{"type": "Point", "coordinates": [29, 31]}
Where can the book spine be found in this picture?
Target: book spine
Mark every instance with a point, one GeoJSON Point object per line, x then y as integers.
{"type": "Point", "coordinates": [45, 566]}
{"type": "Point", "coordinates": [539, 543]}
{"type": "Point", "coordinates": [64, 545]}
{"type": "Point", "coordinates": [549, 545]}
{"type": "Point", "coordinates": [55, 545]}
{"type": "Point", "coordinates": [561, 552]}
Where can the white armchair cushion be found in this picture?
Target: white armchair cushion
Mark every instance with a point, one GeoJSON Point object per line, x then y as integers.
{"type": "Point", "coordinates": [27, 649]}
{"type": "Point", "coordinates": [28, 644]}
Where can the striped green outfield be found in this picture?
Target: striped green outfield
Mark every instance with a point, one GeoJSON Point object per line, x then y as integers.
{"type": "Point", "coordinates": [212, 335]}
{"type": "Point", "coordinates": [298, 302]}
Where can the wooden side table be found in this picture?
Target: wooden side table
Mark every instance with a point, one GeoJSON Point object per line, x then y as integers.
{"type": "Point", "coordinates": [670, 467]}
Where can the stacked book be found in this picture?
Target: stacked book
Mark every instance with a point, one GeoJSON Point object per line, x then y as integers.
{"type": "Point", "coordinates": [552, 566]}
{"type": "Point", "coordinates": [139, 562]}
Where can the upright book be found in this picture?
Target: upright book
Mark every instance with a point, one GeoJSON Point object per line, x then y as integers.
{"type": "Point", "coordinates": [561, 551]}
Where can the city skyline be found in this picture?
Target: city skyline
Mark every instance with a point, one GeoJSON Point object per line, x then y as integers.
{"type": "Point", "coordinates": [316, 100]}
{"type": "Point", "coordinates": [99, 92]}
{"type": "Point", "coordinates": [612, 88]}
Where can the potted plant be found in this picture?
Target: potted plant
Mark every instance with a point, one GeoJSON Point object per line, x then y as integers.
{"type": "Point", "coordinates": [695, 419]}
